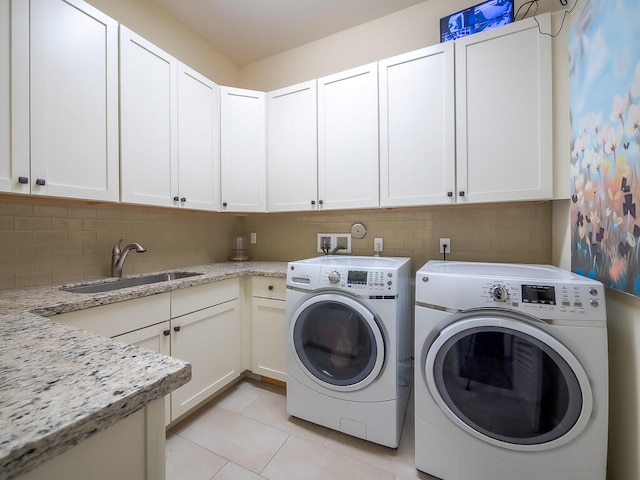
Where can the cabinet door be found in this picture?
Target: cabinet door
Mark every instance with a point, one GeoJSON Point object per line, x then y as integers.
{"type": "Point", "coordinates": [417, 122]}
{"type": "Point", "coordinates": [198, 141]}
{"type": "Point", "coordinates": [242, 144]}
{"type": "Point", "coordinates": [210, 340]}
{"type": "Point", "coordinates": [268, 334]}
{"type": "Point", "coordinates": [157, 339]}
{"type": "Point", "coordinates": [127, 449]}
{"type": "Point", "coordinates": [148, 122]}
{"type": "Point", "coordinates": [14, 95]}
{"type": "Point", "coordinates": [348, 139]}
{"type": "Point", "coordinates": [6, 172]}
{"type": "Point", "coordinates": [292, 148]}
{"type": "Point", "coordinates": [74, 101]}
{"type": "Point", "coordinates": [503, 113]}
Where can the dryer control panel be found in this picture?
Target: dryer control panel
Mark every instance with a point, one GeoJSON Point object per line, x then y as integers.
{"type": "Point", "coordinates": [542, 291]}
{"type": "Point", "coordinates": [548, 300]}
{"type": "Point", "coordinates": [544, 296]}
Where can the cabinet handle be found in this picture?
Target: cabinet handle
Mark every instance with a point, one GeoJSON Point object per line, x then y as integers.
{"type": "Point", "coordinates": [461, 193]}
{"type": "Point", "coordinates": [183, 199]}
{"type": "Point", "coordinates": [175, 199]}
{"type": "Point", "coordinates": [449, 194]}
{"type": "Point", "coordinates": [23, 180]}
{"type": "Point", "coordinates": [166, 332]}
{"type": "Point", "coordinates": [320, 202]}
{"type": "Point", "coordinates": [224, 204]}
{"type": "Point", "coordinates": [313, 202]}
{"type": "Point", "coordinates": [176, 328]}
{"type": "Point", "coordinates": [41, 182]}
{"type": "Point", "coordinates": [270, 287]}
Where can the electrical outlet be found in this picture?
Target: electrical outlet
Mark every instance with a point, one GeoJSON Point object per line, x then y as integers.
{"type": "Point", "coordinates": [377, 244]}
{"type": "Point", "coordinates": [253, 238]}
{"type": "Point", "coordinates": [445, 245]}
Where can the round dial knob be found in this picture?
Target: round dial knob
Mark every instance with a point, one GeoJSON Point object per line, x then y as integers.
{"type": "Point", "coordinates": [499, 293]}
{"type": "Point", "coordinates": [334, 277]}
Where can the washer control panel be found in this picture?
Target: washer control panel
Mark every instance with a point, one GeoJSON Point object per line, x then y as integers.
{"type": "Point", "coordinates": [367, 277]}
{"type": "Point", "coordinates": [361, 281]}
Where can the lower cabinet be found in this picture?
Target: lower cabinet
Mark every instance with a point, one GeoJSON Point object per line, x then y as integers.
{"type": "Point", "coordinates": [205, 331]}
{"type": "Point", "coordinates": [198, 324]}
{"type": "Point", "coordinates": [268, 328]}
{"type": "Point", "coordinates": [157, 339]}
{"type": "Point", "coordinates": [209, 339]}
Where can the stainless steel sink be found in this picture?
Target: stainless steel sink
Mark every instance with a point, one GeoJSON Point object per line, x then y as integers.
{"type": "Point", "coordinates": [110, 285]}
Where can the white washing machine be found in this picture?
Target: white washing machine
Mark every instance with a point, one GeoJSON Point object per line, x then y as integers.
{"type": "Point", "coordinates": [511, 377]}
{"type": "Point", "coordinates": [349, 344]}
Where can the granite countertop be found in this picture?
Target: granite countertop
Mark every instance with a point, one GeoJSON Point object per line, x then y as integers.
{"type": "Point", "coordinates": [51, 300]}
{"type": "Point", "coordinates": [60, 384]}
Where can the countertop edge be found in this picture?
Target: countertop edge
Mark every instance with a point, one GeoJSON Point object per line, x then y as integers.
{"type": "Point", "coordinates": [33, 454]}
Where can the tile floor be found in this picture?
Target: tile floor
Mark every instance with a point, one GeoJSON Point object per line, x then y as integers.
{"type": "Point", "coordinates": [246, 434]}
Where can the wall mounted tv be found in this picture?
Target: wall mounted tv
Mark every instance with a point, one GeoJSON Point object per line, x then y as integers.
{"type": "Point", "coordinates": [485, 15]}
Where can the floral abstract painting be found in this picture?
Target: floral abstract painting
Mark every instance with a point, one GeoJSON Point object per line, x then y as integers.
{"type": "Point", "coordinates": [605, 136]}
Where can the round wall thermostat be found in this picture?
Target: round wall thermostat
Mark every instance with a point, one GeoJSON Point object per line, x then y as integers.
{"type": "Point", "coordinates": [358, 230]}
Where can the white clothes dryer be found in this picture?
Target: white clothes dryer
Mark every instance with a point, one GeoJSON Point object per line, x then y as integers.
{"type": "Point", "coordinates": [349, 344]}
{"type": "Point", "coordinates": [511, 378]}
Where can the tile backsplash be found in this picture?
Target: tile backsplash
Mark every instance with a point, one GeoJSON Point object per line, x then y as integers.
{"type": "Point", "coordinates": [51, 241]}
{"type": "Point", "coordinates": [514, 232]}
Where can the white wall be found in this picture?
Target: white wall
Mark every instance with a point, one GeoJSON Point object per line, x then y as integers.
{"type": "Point", "coordinates": [410, 29]}
{"type": "Point", "coordinates": [162, 29]}
{"type": "Point", "coordinates": [623, 313]}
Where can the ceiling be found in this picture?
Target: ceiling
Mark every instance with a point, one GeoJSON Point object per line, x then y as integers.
{"type": "Point", "coordinates": [245, 31]}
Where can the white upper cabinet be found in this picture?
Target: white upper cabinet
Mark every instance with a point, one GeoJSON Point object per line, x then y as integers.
{"type": "Point", "coordinates": [148, 122]}
{"type": "Point", "coordinates": [63, 98]}
{"type": "Point", "coordinates": [198, 141]}
{"type": "Point", "coordinates": [292, 148]}
{"type": "Point", "coordinates": [417, 127]}
{"type": "Point", "coordinates": [169, 129]}
{"type": "Point", "coordinates": [14, 95]}
{"type": "Point", "coordinates": [243, 150]}
{"type": "Point", "coordinates": [348, 139]}
{"type": "Point", "coordinates": [504, 113]}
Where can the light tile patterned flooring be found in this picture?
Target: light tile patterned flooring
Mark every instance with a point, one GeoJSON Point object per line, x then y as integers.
{"type": "Point", "coordinates": [246, 434]}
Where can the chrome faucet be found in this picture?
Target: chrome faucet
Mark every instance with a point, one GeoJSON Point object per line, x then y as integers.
{"type": "Point", "coordinates": [335, 250]}
{"type": "Point", "coordinates": [119, 255]}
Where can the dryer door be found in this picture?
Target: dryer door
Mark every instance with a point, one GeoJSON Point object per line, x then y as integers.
{"type": "Point", "coordinates": [508, 382]}
{"type": "Point", "coordinates": [337, 342]}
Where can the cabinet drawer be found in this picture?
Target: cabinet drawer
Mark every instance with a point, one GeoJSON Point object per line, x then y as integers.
{"type": "Point", "coordinates": [119, 318]}
{"type": "Point", "coordinates": [202, 296]}
{"type": "Point", "coordinates": [268, 287]}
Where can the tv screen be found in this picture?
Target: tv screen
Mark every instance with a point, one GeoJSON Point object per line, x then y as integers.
{"type": "Point", "coordinates": [485, 15]}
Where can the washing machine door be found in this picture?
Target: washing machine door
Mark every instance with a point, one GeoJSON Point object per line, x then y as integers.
{"type": "Point", "coordinates": [337, 342]}
{"type": "Point", "coordinates": [507, 382]}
